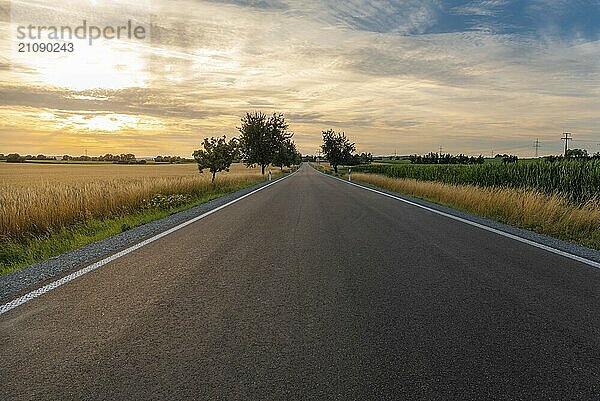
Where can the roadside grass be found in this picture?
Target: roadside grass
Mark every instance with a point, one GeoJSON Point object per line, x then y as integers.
{"type": "Point", "coordinates": [46, 210]}
{"type": "Point", "coordinates": [15, 255]}
{"type": "Point", "coordinates": [551, 215]}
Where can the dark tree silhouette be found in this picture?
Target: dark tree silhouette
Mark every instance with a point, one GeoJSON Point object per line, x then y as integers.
{"type": "Point", "coordinates": [261, 138]}
{"type": "Point", "coordinates": [337, 148]}
{"type": "Point", "coordinates": [287, 155]}
{"type": "Point", "coordinates": [217, 155]}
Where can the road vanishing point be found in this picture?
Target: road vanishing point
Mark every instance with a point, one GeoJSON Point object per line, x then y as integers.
{"type": "Point", "coordinates": [314, 289]}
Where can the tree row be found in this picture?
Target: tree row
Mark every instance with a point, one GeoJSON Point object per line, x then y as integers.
{"type": "Point", "coordinates": [263, 141]}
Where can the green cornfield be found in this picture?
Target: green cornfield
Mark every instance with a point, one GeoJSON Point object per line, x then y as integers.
{"type": "Point", "coordinates": [578, 181]}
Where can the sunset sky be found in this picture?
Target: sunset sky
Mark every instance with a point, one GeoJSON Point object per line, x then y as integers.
{"type": "Point", "coordinates": [406, 76]}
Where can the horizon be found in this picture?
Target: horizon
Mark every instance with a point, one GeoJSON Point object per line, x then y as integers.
{"type": "Point", "coordinates": [322, 157]}
{"type": "Point", "coordinates": [406, 77]}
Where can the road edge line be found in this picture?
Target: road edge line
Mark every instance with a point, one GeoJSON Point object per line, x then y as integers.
{"type": "Point", "coordinates": [70, 277]}
{"type": "Point", "coordinates": [547, 248]}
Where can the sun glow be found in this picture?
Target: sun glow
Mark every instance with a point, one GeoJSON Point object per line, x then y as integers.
{"type": "Point", "coordinates": [81, 45]}
{"type": "Point", "coordinates": [109, 66]}
{"type": "Point", "coordinates": [107, 123]}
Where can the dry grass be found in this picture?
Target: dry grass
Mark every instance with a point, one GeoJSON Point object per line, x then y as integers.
{"type": "Point", "coordinates": [36, 199]}
{"type": "Point", "coordinates": [546, 214]}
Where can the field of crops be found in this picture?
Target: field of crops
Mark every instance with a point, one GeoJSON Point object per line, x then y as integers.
{"type": "Point", "coordinates": [577, 181]}
{"type": "Point", "coordinates": [36, 199]}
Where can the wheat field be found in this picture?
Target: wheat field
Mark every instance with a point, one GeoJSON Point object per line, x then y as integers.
{"type": "Point", "coordinates": [39, 198]}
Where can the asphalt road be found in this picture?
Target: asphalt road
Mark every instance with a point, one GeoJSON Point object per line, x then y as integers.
{"type": "Point", "coordinates": [314, 289]}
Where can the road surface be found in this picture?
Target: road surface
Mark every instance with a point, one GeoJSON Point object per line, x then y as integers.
{"type": "Point", "coordinates": [314, 289]}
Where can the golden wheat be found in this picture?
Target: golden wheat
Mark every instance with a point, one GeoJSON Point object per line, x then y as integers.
{"type": "Point", "coordinates": [547, 214]}
{"type": "Point", "coordinates": [36, 199]}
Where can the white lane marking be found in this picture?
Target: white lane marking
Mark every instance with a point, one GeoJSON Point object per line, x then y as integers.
{"type": "Point", "coordinates": [478, 225]}
{"type": "Point", "coordinates": [40, 291]}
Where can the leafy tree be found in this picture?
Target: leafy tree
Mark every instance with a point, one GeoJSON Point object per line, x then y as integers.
{"type": "Point", "coordinates": [261, 138]}
{"type": "Point", "coordinates": [297, 158]}
{"type": "Point", "coordinates": [577, 154]}
{"type": "Point", "coordinates": [287, 155]}
{"type": "Point", "coordinates": [337, 148]}
{"type": "Point", "coordinates": [510, 159]}
{"type": "Point", "coordinates": [363, 158]}
{"type": "Point", "coordinates": [217, 155]}
{"type": "Point", "coordinates": [14, 158]}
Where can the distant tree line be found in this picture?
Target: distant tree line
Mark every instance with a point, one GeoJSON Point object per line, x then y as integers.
{"type": "Point", "coordinates": [123, 158]}
{"type": "Point", "coordinates": [447, 158]}
{"type": "Point", "coordinates": [363, 158]}
{"type": "Point", "coordinates": [263, 141]}
{"type": "Point", "coordinates": [117, 159]}
{"type": "Point", "coordinates": [17, 158]}
{"type": "Point", "coordinates": [172, 159]}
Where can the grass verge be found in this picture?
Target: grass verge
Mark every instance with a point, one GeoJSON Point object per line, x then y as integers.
{"type": "Point", "coordinates": [16, 254]}
{"type": "Point", "coordinates": [551, 215]}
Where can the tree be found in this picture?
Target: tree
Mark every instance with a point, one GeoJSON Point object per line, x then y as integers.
{"type": "Point", "coordinates": [14, 158]}
{"type": "Point", "coordinates": [217, 155]}
{"type": "Point", "coordinates": [261, 138]}
{"type": "Point", "coordinates": [363, 158]}
{"type": "Point", "coordinates": [297, 158]}
{"type": "Point", "coordinates": [577, 154]}
{"type": "Point", "coordinates": [287, 155]}
{"type": "Point", "coordinates": [337, 148]}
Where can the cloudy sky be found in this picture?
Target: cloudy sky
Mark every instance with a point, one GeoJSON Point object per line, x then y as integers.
{"type": "Point", "coordinates": [404, 76]}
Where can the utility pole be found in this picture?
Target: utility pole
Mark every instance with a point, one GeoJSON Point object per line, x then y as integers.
{"type": "Point", "coordinates": [536, 145]}
{"type": "Point", "coordinates": [567, 137]}
{"type": "Point", "coordinates": [319, 156]}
